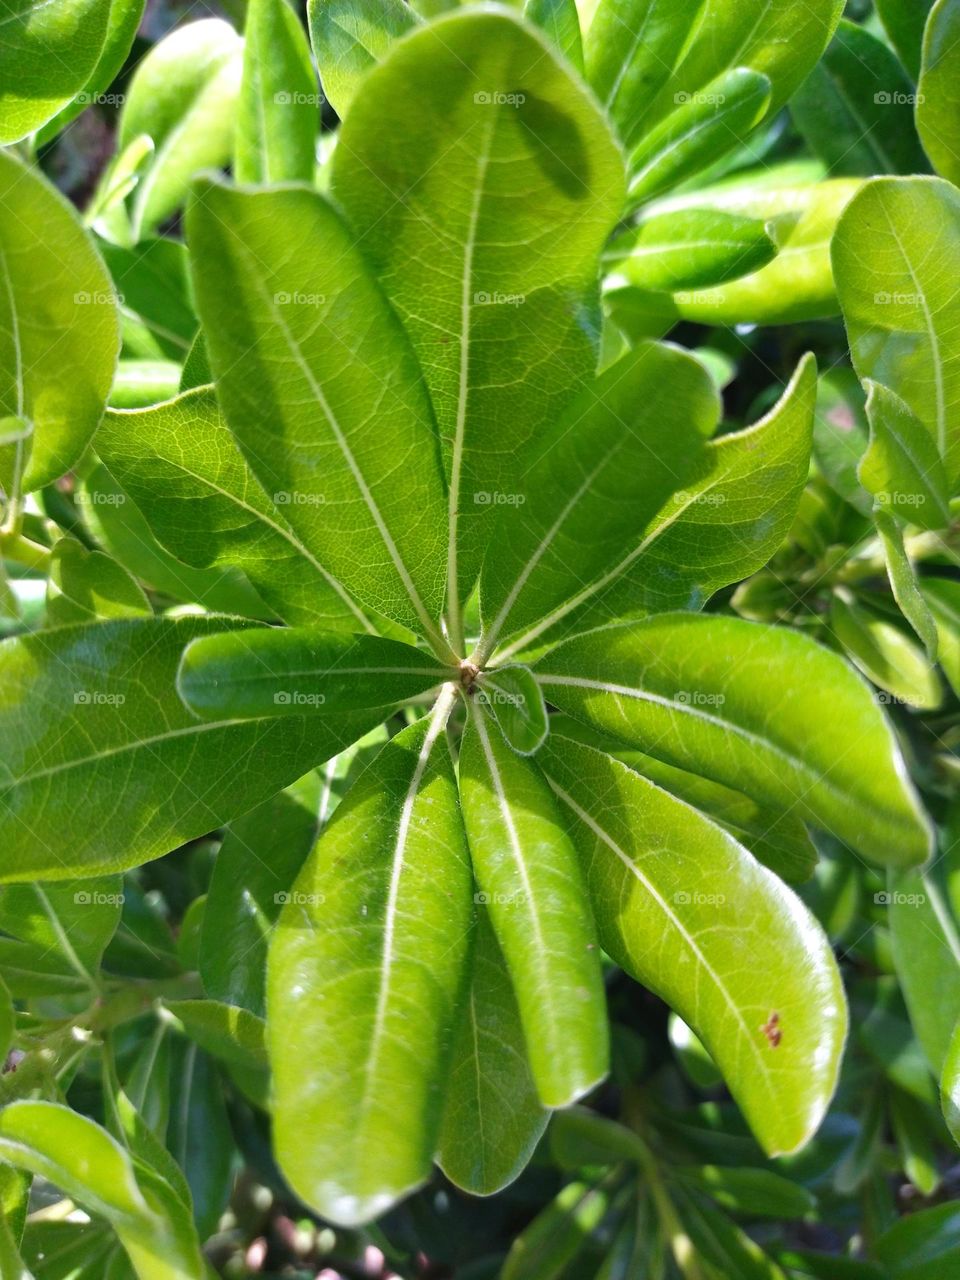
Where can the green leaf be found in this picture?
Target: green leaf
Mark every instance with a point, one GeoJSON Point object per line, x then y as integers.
{"type": "Point", "coordinates": [531, 884]}
{"type": "Point", "coordinates": [11, 1264]}
{"type": "Point", "coordinates": [613, 460]}
{"type": "Point", "coordinates": [184, 96]}
{"type": "Point", "coordinates": [346, 361]}
{"type": "Point", "coordinates": [293, 671]}
{"type": "Point", "coordinates": [922, 1246]}
{"type": "Point", "coordinates": [47, 53]}
{"type": "Point", "coordinates": [899, 302]}
{"type": "Point", "coordinates": [841, 433]}
{"type": "Point", "coordinates": [726, 522]}
{"type": "Point", "coordinates": [702, 126]}
{"type": "Point", "coordinates": [715, 934]}
{"type": "Point", "coordinates": [152, 283]}
{"type": "Point", "coordinates": [938, 100]}
{"type": "Point", "coordinates": [905, 584]}
{"type": "Point", "coordinates": [85, 585]}
{"type": "Point", "coordinates": [901, 467]}
{"type": "Point", "coordinates": [689, 249]}
{"type": "Point", "coordinates": [88, 1165]}
{"type": "Point", "coordinates": [560, 22]}
{"type": "Point", "coordinates": [718, 1243]}
{"type": "Point", "coordinates": [125, 17]}
{"type": "Point", "coordinates": [200, 1137]}
{"type": "Point", "coordinates": [755, 1193]}
{"type": "Point", "coordinates": [630, 49]}
{"type": "Point", "coordinates": [259, 859]}
{"type": "Point", "coordinates": [385, 947]}
{"type": "Point", "coordinates": [950, 1086]}
{"type": "Point", "coordinates": [579, 1137]}
{"type": "Point", "coordinates": [233, 1035]}
{"type": "Point", "coordinates": [914, 1132]}
{"type": "Point", "coordinates": [885, 654]}
{"type": "Point", "coordinates": [926, 949]}
{"type": "Point", "coordinates": [505, 333]}
{"type": "Point", "coordinates": [798, 284]}
{"type": "Point", "coordinates": [182, 467]}
{"type": "Point", "coordinates": [126, 749]}
{"type": "Point", "coordinates": [701, 693]}
{"type": "Point", "coordinates": [278, 113]}
{"type": "Point", "coordinates": [59, 335]}
{"type": "Point", "coordinates": [557, 1234]}
{"type": "Point", "coordinates": [943, 599]}
{"type": "Point", "coordinates": [75, 920]}
{"type": "Point", "coordinates": [492, 1117]}
{"type": "Point", "coordinates": [516, 703]}
{"type": "Point", "coordinates": [351, 36]}
{"type": "Point", "coordinates": [904, 22]}
{"type": "Point", "coordinates": [7, 1022]}
{"type": "Point", "coordinates": [141, 383]}
{"type": "Point", "coordinates": [855, 109]}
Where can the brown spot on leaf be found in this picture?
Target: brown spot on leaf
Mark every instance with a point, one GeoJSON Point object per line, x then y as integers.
{"type": "Point", "coordinates": [771, 1029]}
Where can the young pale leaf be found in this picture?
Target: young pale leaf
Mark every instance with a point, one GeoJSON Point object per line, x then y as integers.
{"type": "Point", "coordinates": [926, 950]}
{"type": "Point", "coordinates": [630, 49]}
{"type": "Point", "coordinates": [689, 249]}
{"type": "Point", "coordinates": [725, 523]}
{"type": "Point", "coordinates": [180, 464]}
{"type": "Point", "coordinates": [126, 749]}
{"type": "Point", "coordinates": [904, 21]}
{"type": "Point", "coordinates": [885, 654]}
{"type": "Point", "coordinates": [351, 36]}
{"type": "Point", "coordinates": [690, 913]}
{"type": "Point", "coordinates": [702, 126]}
{"type": "Point", "coordinates": [85, 585]}
{"type": "Point", "coordinates": [698, 693]}
{"type": "Point", "coordinates": [516, 703]}
{"type": "Point", "coordinates": [905, 584]}
{"type": "Point", "coordinates": [855, 109]}
{"type": "Point", "coordinates": [505, 332]}
{"type": "Point", "coordinates": [938, 97]}
{"type": "Point", "coordinates": [901, 467]}
{"type": "Point", "coordinates": [304, 301]}
{"type": "Point", "coordinates": [560, 22]}
{"type": "Point", "coordinates": [593, 483]}
{"type": "Point", "coordinates": [291, 671]}
{"type": "Point", "coordinates": [385, 948]}
{"type": "Point", "coordinates": [278, 113]}
{"type": "Point", "coordinates": [184, 96]}
{"type": "Point", "coordinates": [798, 283]}
{"type": "Point", "coordinates": [259, 859]}
{"type": "Point", "coordinates": [531, 884]}
{"type": "Point", "coordinates": [47, 54]}
{"type": "Point", "coordinates": [899, 301]}
{"type": "Point", "coordinates": [492, 1117]}
{"type": "Point", "coordinates": [82, 1159]}
{"type": "Point", "coordinates": [59, 334]}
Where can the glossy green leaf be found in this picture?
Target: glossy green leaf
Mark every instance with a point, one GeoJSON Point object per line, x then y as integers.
{"type": "Point", "coordinates": [85, 585]}
{"type": "Point", "coordinates": [232, 1034]}
{"type": "Point", "coordinates": [901, 467]}
{"type": "Point", "coordinates": [841, 434]}
{"type": "Point", "coordinates": [532, 885]}
{"type": "Point", "coordinates": [127, 750]}
{"type": "Point", "coordinates": [926, 948]}
{"type": "Point", "coordinates": [593, 483]}
{"type": "Point", "coordinates": [84, 1161]}
{"type": "Point", "coordinates": [75, 920]}
{"type": "Point", "coordinates": [560, 23]}
{"type": "Point", "coordinates": [855, 109]}
{"type": "Point", "coordinates": [798, 284]}
{"type": "Point", "coordinates": [723, 524]}
{"type": "Point", "coordinates": [688, 689]}
{"type": "Point", "coordinates": [904, 22]}
{"type": "Point", "coordinates": [701, 126]}
{"type": "Point", "coordinates": [938, 98]}
{"type": "Point", "coordinates": [47, 53]}
{"type": "Point", "coordinates": [59, 336]}
{"type": "Point", "coordinates": [385, 946]}
{"type": "Point", "coordinates": [922, 1246]}
{"type": "Point", "coordinates": [184, 96]}
{"type": "Point", "coordinates": [557, 1234]}
{"type": "Point", "coordinates": [905, 584]}
{"type": "Point", "coordinates": [317, 313]}
{"type": "Point", "coordinates": [515, 701]}
{"type": "Point", "coordinates": [278, 114]}
{"type": "Point", "coordinates": [294, 671]}
{"type": "Point", "coordinates": [182, 467]}
{"type": "Point", "coordinates": [259, 859]}
{"type": "Point", "coordinates": [351, 36]}
{"type": "Point", "coordinates": [630, 49]}
{"type": "Point", "coordinates": [492, 1117]}
{"type": "Point", "coordinates": [505, 333]}
{"type": "Point", "coordinates": [885, 654]}
{"type": "Point", "coordinates": [899, 302]}
{"type": "Point", "coordinates": [715, 934]}
{"type": "Point", "coordinates": [689, 249]}
{"type": "Point", "coordinates": [950, 1086]}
